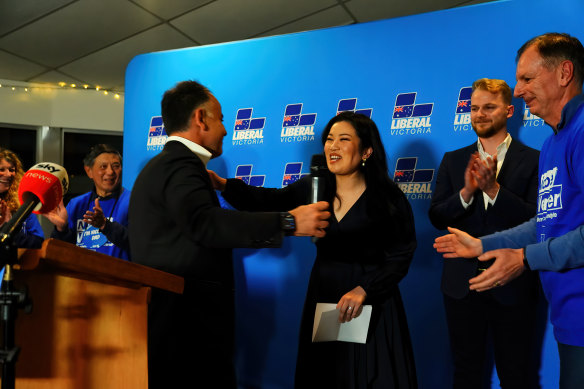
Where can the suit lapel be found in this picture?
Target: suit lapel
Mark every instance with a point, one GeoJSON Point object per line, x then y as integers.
{"type": "Point", "coordinates": [512, 158]}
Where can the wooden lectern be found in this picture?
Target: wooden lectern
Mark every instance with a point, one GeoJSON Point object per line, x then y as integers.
{"type": "Point", "coordinates": [88, 325]}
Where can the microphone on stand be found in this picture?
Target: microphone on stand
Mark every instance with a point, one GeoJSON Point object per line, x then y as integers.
{"type": "Point", "coordinates": [41, 190]}
{"type": "Point", "coordinates": [318, 170]}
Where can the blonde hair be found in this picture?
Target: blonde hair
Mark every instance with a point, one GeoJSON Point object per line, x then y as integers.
{"type": "Point", "coordinates": [494, 86]}
{"type": "Point", "coordinates": [11, 196]}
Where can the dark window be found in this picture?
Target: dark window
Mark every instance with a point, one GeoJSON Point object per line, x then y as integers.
{"type": "Point", "coordinates": [76, 145]}
{"type": "Point", "coordinates": [22, 142]}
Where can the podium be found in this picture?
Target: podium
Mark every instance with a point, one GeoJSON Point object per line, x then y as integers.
{"type": "Point", "coordinates": [88, 325]}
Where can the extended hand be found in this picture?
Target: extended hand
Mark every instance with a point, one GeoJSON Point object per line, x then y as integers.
{"type": "Point", "coordinates": [95, 218]}
{"type": "Point", "coordinates": [311, 219]}
{"type": "Point", "coordinates": [58, 216]}
{"type": "Point", "coordinates": [508, 265]}
{"type": "Point", "coordinates": [351, 304]}
{"type": "Point", "coordinates": [217, 181]}
{"type": "Point", "coordinates": [458, 244]}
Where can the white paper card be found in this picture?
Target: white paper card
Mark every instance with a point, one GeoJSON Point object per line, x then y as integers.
{"type": "Point", "coordinates": [327, 327]}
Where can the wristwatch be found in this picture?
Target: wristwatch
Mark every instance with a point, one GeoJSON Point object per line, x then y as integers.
{"type": "Point", "coordinates": [287, 223]}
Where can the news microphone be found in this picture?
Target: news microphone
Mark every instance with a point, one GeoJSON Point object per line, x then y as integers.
{"type": "Point", "coordinates": [318, 169]}
{"type": "Point", "coordinates": [41, 190]}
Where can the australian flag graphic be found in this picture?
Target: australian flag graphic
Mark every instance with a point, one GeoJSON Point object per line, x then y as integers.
{"type": "Point", "coordinates": [243, 172]}
{"type": "Point", "coordinates": [293, 116]}
{"type": "Point", "coordinates": [463, 105]}
{"type": "Point", "coordinates": [244, 120]}
{"type": "Point", "coordinates": [406, 107]}
{"type": "Point", "coordinates": [156, 127]}
{"type": "Point", "coordinates": [292, 173]}
{"type": "Point", "coordinates": [405, 171]}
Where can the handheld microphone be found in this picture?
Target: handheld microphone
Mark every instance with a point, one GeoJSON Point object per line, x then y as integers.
{"type": "Point", "coordinates": [318, 169]}
{"type": "Point", "coordinates": [41, 190]}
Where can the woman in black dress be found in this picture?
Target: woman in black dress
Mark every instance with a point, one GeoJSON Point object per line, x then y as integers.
{"type": "Point", "coordinates": [367, 250]}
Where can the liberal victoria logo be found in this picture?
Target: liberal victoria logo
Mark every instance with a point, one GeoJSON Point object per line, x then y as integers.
{"type": "Point", "coordinates": [531, 120]}
{"type": "Point", "coordinates": [462, 116]}
{"type": "Point", "coordinates": [415, 183]}
{"type": "Point", "coordinates": [550, 196]}
{"type": "Point", "coordinates": [243, 172]}
{"type": "Point", "coordinates": [248, 130]}
{"type": "Point", "coordinates": [409, 117]}
{"type": "Point", "coordinates": [156, 134]}
{"type": "Point", "coordinates": [292, 173]}
{"type": "Point", "coordinates": [351, 105]}
{"type": "Point", "coordinates": [297, 127]}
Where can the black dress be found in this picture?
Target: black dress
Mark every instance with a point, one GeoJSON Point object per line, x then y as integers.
{"type": "Point", "coordinates": [356, 251]}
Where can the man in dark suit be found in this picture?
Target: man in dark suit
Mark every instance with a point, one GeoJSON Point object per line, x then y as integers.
{"type": "Point", "coordinates": [486, 187]}
{"type": "Point", "coordinates": [178, 226]}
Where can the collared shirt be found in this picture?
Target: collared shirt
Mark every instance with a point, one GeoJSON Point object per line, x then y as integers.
{"type": "Point", "coordinates": [199, 150]}
{"type": "Point", "coordinates": [501, 153]}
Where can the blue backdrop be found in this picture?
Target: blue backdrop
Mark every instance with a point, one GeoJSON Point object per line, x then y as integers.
{"type": "Point", "coordinates": [412, 75]}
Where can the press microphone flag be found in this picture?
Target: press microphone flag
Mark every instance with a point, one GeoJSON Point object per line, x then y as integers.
{"type": "Point", "coordinates": [48, 182]}
{"type": "Point", "coordinates": [41, 190]}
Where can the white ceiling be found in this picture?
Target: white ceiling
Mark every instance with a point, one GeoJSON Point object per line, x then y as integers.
{"type": "Point", "coordinates": [92, 41]}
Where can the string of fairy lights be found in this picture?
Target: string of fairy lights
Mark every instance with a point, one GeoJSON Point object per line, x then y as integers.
{"type": "Point", "coordinates": [61, 86]}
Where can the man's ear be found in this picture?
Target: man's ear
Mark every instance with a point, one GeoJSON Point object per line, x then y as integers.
{"type": "Point", "coordinates": [199, 117]}
{"type": "Point", "coordinates": [88, 172]}
{"type": "Point", "coordinates": [510, 110]}
{"type": "Point", "coordinates": [565, 72]}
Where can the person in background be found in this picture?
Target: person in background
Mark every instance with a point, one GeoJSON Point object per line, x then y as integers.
{"type": "Point", "coordinates": [488, 186]}
{"type": "Point", "coordinates": [97, 220]}
{"type": "Point", "coordinates": [550, 72]}
{"type": "Point", "coordinates": [11, 172]}
{"type": "Point", "coordinates": [366, 252]}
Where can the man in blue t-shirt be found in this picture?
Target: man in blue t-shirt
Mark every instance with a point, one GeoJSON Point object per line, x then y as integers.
{"type": "Point", "coordinates": [550, 72]}
{"type": "Point", "coordinates": [97, 220]}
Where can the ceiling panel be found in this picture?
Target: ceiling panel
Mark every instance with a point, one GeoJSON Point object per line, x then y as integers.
{"type": "Point", "coordinates": [368, 10]}
{"type": "Point", "coordinates": [15, 13]}
{"type": "Point", "coordinates": [77, 30]}
{"type": "Point", "coordinates": [14, 68]}
{"type": "Point", "coordinates": [330, 17]}
{"type": "Point", "coordinates": [92, 41]}
{"type": "Point", "coordinates": [55, 77]}
{"type": "Point", "coordinates": [228, 20]}
{"type": "Point", "coordinates": [107, 67]}
{"type": "Point", "coordinates": [170, 9]}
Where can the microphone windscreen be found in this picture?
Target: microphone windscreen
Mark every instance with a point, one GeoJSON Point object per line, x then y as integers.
{"type": "Point", "coordinates": [46, 180]}
{"type": "Point", "coordinates": [317, 163]}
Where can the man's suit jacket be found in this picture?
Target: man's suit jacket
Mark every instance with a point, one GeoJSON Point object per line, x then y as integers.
{"type": "Point", "coordinates": [176, 225]}
{"type": "Point", "coordinates": [515, 204]}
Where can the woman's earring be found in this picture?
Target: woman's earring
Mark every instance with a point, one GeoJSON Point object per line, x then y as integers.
{"type": "Point", "coordinates": [363, 162]}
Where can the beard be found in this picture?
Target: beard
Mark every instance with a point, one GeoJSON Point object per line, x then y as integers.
{"type": "Point", "coordinates": [487, 132]}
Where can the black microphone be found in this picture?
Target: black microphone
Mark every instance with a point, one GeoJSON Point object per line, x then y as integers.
{"type": "Point", "coordinates": [318, 169]}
